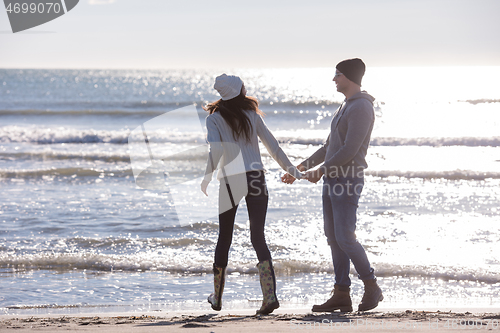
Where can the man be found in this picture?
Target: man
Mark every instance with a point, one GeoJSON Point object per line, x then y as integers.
{"type": "Point", "coordinates": [343, 157]}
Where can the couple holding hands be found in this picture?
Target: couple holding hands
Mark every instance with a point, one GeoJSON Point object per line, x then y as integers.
{"type": "Point", "coordinates": [234, 126]}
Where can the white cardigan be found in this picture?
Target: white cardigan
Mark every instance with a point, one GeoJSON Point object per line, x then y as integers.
{"type": "Point", "coordinates": [225, 149]}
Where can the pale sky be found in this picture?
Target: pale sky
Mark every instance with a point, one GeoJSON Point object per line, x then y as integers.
{"type": "Point", "coordinates": [252, 34]}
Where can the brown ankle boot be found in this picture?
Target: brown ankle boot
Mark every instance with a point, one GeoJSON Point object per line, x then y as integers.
{"type": "Point", "coordinates": [341, 300]}
{"type": "Point", "coordinates": [372, 295]}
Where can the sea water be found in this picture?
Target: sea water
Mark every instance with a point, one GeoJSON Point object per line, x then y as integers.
{"type": "Point", "coordinates": [77, 235]}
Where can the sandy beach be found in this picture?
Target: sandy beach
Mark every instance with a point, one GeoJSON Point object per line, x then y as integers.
{"type": "Point", "coordinates": [283, 320]}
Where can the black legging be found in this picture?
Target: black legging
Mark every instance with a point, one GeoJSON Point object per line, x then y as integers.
{"type": "Point", "coordinates": [256, 199]}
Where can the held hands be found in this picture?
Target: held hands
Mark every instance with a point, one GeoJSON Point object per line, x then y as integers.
{"type": "Point", "coordinates": [289, 179]}
{"type": "Point", "coordinates": [312, 176]}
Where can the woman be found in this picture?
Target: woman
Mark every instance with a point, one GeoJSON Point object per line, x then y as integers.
{"type": "Point", "coordinates": [234, 125]}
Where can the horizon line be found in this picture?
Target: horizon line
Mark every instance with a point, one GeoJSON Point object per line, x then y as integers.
{"type": "Point", "coordinates": [235, 68]}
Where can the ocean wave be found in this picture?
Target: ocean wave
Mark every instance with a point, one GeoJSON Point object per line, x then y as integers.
{"type": "Point", "coordinates": [438, 272]}
{"type": "Point", "coordinates": [70, 171]}
{"type": "Point", "coordinates": [61, 156]}
{"type": "Point", "coordinates": [112, 242]}
{"type": "Point", "coordinates": [482, 100]}
{"type": "Point", "coordinates": [395, 141]}
{"type": "Point", "coordinates": [40, 135]}
{"type": "Point", "coordinates": [299, 140]}
{"type": "Point", "coordinates": [11, 134]}
{"type": "Point", "coordinates": [97, 173]}
{"type": "Point", "coordinates": [451, 175]}
{"type": "Point", "coordinates": [86, 112]}
{"type": "Point", "coordinates": [15, 134]}
{"type": "Point", "coordinates": [180, 264]}
{"type": "Point", "coordinates": [146, 107]}
{"type": "Point", "coordinates": [437, 142]}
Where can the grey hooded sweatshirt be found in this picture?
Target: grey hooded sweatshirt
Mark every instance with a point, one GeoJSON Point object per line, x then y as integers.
{"type": "Point", "coordinates": [345, 148]}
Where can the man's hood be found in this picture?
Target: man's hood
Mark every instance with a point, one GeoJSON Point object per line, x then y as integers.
{"type": "Point", "coordinates": [362, 94]}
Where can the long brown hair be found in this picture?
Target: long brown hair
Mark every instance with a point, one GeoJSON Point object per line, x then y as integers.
{"type": "Point", "coordinates": [233, 113]}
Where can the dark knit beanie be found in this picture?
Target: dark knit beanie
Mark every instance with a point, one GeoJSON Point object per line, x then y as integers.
{"type": "Point", "coordinates": [353, 69]}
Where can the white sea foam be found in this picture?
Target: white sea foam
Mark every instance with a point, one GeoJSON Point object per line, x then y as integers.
{"type": "Point", "coordinates": [150, 261]}
{"type": "Point", "coordinates": [126, 171]}
{"type": "Point", "coordinates": [451, 174]}
{"type": "Point", "coordinates": [47, 135]}
{"type": "Point", "coordinates": [438, 142]}
{"type": "Point", "coordinates": [44, 135]}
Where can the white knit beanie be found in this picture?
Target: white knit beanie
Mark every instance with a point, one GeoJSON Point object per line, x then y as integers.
{"type": "Point", "coordinates": [228, 86]}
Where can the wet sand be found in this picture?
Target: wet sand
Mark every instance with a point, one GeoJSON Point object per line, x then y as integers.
{"type": "Point", "coordinates": [283, 320]}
